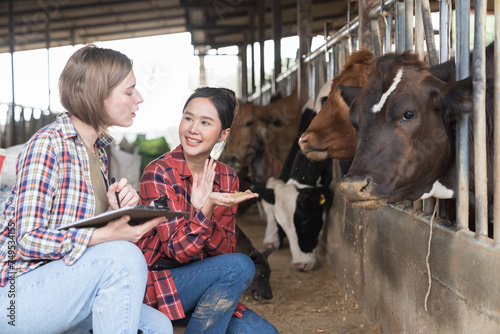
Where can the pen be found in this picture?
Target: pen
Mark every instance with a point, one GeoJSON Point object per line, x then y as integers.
{"type": "Point", "coordinates": [116, 193]}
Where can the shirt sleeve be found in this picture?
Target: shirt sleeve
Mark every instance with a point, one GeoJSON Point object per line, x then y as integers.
{"type": "Point", "coordinates": [38, 184]}
{"type": "Point", "coordinates": [181, 238]}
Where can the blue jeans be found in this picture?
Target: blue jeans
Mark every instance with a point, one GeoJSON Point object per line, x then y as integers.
{"type": "Point", "coordinates": [209, 291]}
{"type": "Point", "coordinates": [103, 290]}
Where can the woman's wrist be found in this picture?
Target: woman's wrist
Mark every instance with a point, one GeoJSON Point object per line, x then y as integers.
{"type": "Point", "coordinates": [208, 208]}
{"type": "Point", "coordinates": [99, 236]}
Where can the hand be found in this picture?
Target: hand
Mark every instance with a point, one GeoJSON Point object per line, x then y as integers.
{"type": "Point", "coordinates": [229, 200]}
{"type": "Point", "coordinates": [224, 199]}
{"type": "Point", "coordinates": [119, 229]}
{"type": "Point", "coordinates": [126, 194]}
{"type": "Point", "coordinates": [203, 184]}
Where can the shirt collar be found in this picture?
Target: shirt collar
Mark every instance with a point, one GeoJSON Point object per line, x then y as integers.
{"type": "Point", "coordinates": [69, 130]}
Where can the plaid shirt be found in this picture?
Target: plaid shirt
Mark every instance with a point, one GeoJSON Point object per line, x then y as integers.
{"type": "Point", "coordinates": [181, 238]}
{"type": "Point", "coordinates": [52, 189]}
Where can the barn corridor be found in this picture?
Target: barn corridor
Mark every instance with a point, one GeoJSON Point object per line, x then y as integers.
{"type": "Point", "coordinates": [304, 302]}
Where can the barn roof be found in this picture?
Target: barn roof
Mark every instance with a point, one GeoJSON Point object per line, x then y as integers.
{"type": "Point", "coordinates": [212, 23]}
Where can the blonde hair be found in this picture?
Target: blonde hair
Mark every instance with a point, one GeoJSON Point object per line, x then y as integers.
{"type": "Point", "coordinates": [87, 80]}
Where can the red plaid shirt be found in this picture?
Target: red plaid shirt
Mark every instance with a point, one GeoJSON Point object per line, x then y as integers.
{"type": "Point", "coordinates": [183, 238]}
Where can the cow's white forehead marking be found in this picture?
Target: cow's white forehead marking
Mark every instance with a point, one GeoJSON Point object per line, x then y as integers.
{"type": "Point", "coordinates": [376, 108]}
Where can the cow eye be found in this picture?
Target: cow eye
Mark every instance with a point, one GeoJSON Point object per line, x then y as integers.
{"type": "Point", "coordinates": [249, 124]}
{"type": "Point", "coordinates": [409, 115]}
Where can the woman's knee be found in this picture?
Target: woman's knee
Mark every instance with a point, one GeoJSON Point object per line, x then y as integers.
{"type": "Point", "coordinates": [123, 254]}
{"type": "Point", "coordinates": [243, 266]}
{"type": "Point", "coordinates": [154, 322]}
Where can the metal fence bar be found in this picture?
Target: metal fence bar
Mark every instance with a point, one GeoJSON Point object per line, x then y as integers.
{"type": "Point", "coordinates": [409, 24]}
{"type": "Point", "coordinates": [496, 119]}
{"type": "Point", "coordinates": [399, 29]}
{"type": "Point", "coordinates": [444, 55]}
{"type": "Point", "coordinates": [479, 97]}
{"type": "Point", "coordinates": [462, 64]}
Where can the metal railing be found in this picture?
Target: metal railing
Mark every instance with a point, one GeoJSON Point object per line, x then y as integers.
{"type": "Point", "coordinates": [18, 123]}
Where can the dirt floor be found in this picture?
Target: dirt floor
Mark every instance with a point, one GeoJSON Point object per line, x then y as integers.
{"type": "Point", "coordinates": [303, 302]}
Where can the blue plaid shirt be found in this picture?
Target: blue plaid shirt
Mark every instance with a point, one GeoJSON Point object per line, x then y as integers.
{"type": "Point", "coordinates": [52, 189]}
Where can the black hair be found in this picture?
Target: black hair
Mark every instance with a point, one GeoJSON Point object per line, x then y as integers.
{"type": "Point", "coordinates": [223, 99]}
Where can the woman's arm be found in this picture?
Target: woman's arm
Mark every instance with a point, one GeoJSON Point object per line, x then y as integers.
{"type": "Point", "coordinates": [223, 239]}
{"type": "Point", "coordinates": [180, 238]}
{"type": "Point", "coordinates": [38, 184]}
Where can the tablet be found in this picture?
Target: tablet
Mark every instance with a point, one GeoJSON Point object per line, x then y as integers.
{"type": "Point", "coordinates": [138, 215]}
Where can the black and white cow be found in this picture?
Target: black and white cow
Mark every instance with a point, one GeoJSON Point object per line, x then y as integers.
{"type": "Point", "coordinates": [298, 202]}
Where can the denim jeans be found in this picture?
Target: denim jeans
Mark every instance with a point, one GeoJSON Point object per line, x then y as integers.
{"type": "Point", "coordinates": [209, 291]}
{"type": "Point", "coordinates": [103, 290]}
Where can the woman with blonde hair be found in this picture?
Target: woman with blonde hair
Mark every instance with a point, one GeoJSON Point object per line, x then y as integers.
{"type": "Point", "coordinates": [77, 279]}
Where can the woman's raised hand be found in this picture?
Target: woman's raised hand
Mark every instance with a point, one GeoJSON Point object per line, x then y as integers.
{"type": "Point", "coordinates": [203, 184]}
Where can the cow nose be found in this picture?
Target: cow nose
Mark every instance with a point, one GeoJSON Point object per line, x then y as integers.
{"type": "Point", "coordinates": [355, 188]}
{"type": "Point", "coordinates": [303, 140]}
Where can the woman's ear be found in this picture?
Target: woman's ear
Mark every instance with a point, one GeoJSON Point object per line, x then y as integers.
{"type": "Point", "coordinates": [224, 134]}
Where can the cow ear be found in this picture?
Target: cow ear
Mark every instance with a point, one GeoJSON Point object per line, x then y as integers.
{"type": "Point", "coordinates": [349, 93]}
{"type": "Point", "coordinates": [456, 97]}
{"type": "Point", "coordinates": [268, 252]}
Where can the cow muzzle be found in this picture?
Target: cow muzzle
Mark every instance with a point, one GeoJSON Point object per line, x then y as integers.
{"type": "Point", "coordinates": [360, 191]}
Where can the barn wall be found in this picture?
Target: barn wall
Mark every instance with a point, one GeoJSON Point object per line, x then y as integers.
{"type": "Point", "coordinates": [380, 257]}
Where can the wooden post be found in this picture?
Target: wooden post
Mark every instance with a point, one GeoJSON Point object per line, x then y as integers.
{"type": "Point", "coordinates": [252, 45]}
{"type": "Point", "coordinates": [242, 54]}
{"type": "Point", "coordinates": [304, 22]}
{"type": "Point", "coordinates": [365, 29]}
{"type": "Point", "coordinates": [202, 65]}
{"type": "Point", "coordinates": [277, 40]}
{"type": "Point", "coordinates": [262, 27]}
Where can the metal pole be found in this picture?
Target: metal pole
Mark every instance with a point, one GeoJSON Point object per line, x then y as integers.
{"type": "Point", "coordinates": [409, 24]}
{"type": "Point", "coordinates": [479, 97]}
{"type": "Point", "coordinates": [47, 41]}
{"type": "Point", "coordinates": [444, 55]}
{"type": "Point", "coordinates": [10, 126]}
{"type": "Point", "coordinates": [400, 26]}
{"type": "Point", "coordinates": [496, 118]}
{"type": "Point", "coordinates": [462, 66]}
{"type": "Point", "coordinates": [444, 30]}
{"type": "Point", "coordinates": [12, 43]}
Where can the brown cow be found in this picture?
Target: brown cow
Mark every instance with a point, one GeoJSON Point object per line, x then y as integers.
{"type": "Point", "coordinates": [406, 123]}
{"type": "Point", "coordinates": [331, 134]}
{"type": "Point", "coordinates": [273, 125]}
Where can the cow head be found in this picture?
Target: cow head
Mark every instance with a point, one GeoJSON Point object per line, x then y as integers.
{"type": "Point", "coordinates": [331, 135]}
{"type": "Point", "coordinates": [403, 137]}
{"type": "Point", "coordinates": [267, 130]}
{"type": "Point", "coordinates": [260, 287]}
{"type": "Point", "coordinates": [241, 139]}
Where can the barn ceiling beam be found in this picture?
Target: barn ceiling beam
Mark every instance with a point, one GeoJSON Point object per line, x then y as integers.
{"type": "Point", "coordinates": [71, 7]}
